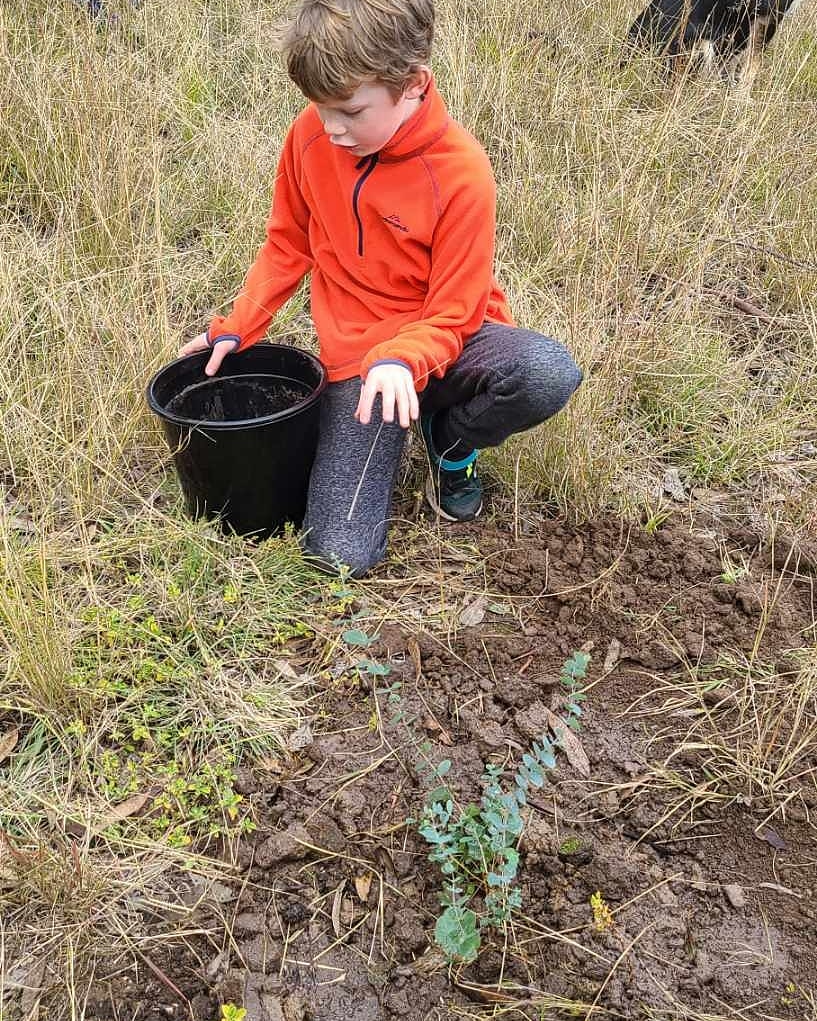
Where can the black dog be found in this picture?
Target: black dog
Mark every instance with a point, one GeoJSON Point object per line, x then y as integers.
{"type": "Point", "coordinates": [722, 34]}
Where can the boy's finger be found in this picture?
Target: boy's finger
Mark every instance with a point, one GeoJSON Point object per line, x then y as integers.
{"type": "Point", "coordinates": [403, 407]}
{"type": "Point", "coordinates": [414, 402]}
{"type": "Point", "coordinates": [388, 396]}
{"type": "Point", "coordinates": [220, 351]}
{"type": "Point", "coordinates": [364, 405]}
{"type": "Point", "coordinates": [198, 343]}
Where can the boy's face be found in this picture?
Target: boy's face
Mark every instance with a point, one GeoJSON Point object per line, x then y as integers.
{"type": "Point", "coordinates": [364, 123]}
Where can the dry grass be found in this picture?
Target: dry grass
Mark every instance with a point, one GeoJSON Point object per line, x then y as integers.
{"type": "Point", "coordinates": [666, 236]}
{"type": "Point", "coordinates": [733, 732]}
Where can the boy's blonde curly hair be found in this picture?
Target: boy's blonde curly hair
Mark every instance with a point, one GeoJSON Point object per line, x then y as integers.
{"type": "Point", "coordinates": [333, 46]}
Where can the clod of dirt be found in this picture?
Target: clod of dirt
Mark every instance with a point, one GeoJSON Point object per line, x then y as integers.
{"type": "Point", "coordinates": [286, 846]}
{"type": "Point", "coordinates": [735, 895]}
{"type": "Point", "coordinates": [249, 921]}
{"type": "Point", "coordinates": [246, 782]}
{"type": "Point", "coordinates": [532, 722]}
{"type": "Point", "coordinates": [262, 999]}
{"type": "Point", "coordinates": [488, 735]}
{"type": "Point", "coordinates": [324, 832]}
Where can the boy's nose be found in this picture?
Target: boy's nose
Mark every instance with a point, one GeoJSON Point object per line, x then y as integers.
{"type": "Point", "coordinates": [332, 126]}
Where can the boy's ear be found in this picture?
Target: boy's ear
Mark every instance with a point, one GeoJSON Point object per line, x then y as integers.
{"type": "Point", "coordinates": [418, 83]}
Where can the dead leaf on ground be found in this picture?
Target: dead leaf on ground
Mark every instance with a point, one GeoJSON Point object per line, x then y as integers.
{"type": "Point", "coordinates": [781, 889]}
{"type": "Point", "coordinates": [773, 837]}
{"type": "Point", "coordinates": [301, 738]}
{"type": "Point", "coordinates": [570, 744]}
{"type": "Point", "coordinates": [8, 743]}
{"type": "Point", "coordinates": [285, 669]}
{"type": "Point", "coordinates": [118, 813]}
{"type": "Point", "coordinates": [613, 656]}
{"type": "Point", "coordinates": [32, 991]}
{"type": "Point", "coordinates": [474, 612]}
{"type": "Point", "coordinates": [416, 658]}
{"type": "Point", "coordinates": [337, 904]}
{"type": "Point", "coordinates": [362, 886]}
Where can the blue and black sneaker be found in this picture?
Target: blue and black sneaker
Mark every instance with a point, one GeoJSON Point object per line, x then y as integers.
{"type": "Point", "coordinates": [453, 488]}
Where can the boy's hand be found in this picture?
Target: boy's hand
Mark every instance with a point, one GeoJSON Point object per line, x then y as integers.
{"type": "Point", "coordinates": [395, 384]}
{"type": "Point", "coordinates": [221, 348]}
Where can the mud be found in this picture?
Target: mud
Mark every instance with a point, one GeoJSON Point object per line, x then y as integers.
{"type": "Point", "coordinates": [332, 903]}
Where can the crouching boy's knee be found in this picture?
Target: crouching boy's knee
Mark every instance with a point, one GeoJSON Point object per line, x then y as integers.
{"type": "Point", "coordinates": [333, 556]}
{"type": "Point", "coordinates": [551, 377]}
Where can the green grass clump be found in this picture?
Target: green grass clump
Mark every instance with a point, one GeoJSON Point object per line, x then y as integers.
{"type": "Point", "coordinates": [147, 658]}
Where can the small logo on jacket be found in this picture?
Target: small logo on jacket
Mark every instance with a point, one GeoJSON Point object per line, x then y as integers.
{"type": "Point", "coordinates": [395, 221]}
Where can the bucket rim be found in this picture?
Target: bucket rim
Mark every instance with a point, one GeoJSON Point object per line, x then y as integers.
{"type": "Point", "coordinates": [244, 423]}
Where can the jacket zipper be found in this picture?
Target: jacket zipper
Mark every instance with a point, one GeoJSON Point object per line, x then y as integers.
{"type": "Point", "coordinates": [355, 194]}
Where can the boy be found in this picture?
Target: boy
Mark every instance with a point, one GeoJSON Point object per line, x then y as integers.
{"type": "Point", "coordinates": [391, 206]}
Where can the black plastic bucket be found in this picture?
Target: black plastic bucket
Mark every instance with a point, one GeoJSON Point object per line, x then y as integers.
{"type": "Point", "coordinates": [244, 440]}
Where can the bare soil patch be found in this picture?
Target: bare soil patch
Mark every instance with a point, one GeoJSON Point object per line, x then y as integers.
{"type": "Point", "coordinates": [330, 909]}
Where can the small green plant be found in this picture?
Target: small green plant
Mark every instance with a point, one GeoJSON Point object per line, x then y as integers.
{"type": "Point", "coordinates": [733, 572]}
{"type": "Point", "coordinates": [229, 1012]}
{"type": "Point", "coordinates": [602, 915]}
{"type": "Point", "coordinates": [476, 847]}
{"type": "Point", "coordinates": [570, 846]}
{"type": "Point", "coordinates": [655, 517]}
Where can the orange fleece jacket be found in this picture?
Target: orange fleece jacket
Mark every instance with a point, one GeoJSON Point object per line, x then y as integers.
{"type": "Point", "coordinates": [400, 245]}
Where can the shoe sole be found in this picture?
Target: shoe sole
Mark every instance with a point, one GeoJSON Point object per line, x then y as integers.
{"type": "Point", "coordinates": [431, 496]}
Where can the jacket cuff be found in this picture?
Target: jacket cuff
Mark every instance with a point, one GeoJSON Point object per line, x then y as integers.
{"type": "Point", "coordinates": [232, 337]}
{"type": "Point", "coordinates": [390, 361]}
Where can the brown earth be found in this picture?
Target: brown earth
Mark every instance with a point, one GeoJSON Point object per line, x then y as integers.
{"type": "Point", "coordinates": [328, 913]}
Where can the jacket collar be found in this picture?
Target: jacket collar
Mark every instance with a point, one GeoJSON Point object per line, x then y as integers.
{"type": "Point", "coordinates": [425, 127]}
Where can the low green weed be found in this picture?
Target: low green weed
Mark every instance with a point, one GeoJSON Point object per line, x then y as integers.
{"type": "Point", "coordinates": [153, 653]}
{"type": "Point", "coordinates": [602, 915]}
{"type": "Point", "coordinates": [572, 845]}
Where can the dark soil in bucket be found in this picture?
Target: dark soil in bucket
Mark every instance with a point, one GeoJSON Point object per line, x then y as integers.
{"type": "Point", "coordinates": [237, 398]}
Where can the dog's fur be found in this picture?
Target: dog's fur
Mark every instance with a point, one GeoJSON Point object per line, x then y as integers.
{"type": "Point", "coordinates": [727, 36]}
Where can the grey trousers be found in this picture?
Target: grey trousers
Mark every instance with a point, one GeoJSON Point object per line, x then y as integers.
{"type": "Point", "coordinates": [505, 381]}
